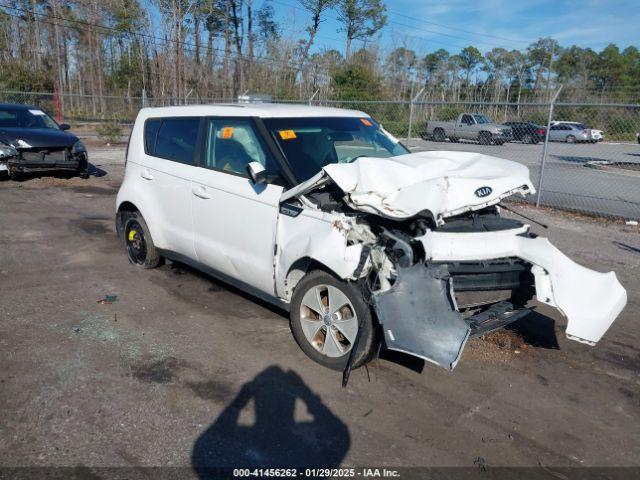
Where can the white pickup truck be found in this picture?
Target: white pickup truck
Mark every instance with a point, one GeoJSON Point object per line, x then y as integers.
{"type": "Point", "coordinates": [469, 126]}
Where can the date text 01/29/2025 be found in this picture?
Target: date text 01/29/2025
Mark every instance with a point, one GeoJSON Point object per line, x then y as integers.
{"type": "Point", "coordinates": [316, 472]}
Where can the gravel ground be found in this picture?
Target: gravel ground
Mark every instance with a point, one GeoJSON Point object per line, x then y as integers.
{"type": "Point", "coordinates": [184, 371]}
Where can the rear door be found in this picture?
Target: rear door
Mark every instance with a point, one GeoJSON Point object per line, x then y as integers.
{"type": "Point", "coordinates": [171, 147]}
{"type": "Point", "coordinates": [235, 220]}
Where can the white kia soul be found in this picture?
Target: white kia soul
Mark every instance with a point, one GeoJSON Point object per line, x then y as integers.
{"type": "Point", "coordinates": [366, 245]}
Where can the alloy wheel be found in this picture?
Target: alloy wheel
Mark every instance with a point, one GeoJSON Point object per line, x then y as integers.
{"type": "Point", "coordinates": [329, 321]}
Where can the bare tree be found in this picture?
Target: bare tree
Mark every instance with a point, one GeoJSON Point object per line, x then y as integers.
{"type": "Point", "coordinates": [360, 19]}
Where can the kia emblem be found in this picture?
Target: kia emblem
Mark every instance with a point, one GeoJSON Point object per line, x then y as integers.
{"type": "Point", "coordinates": [483, 192]}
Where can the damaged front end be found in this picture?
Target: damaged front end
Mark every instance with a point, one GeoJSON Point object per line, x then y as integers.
{"type": "Point", "coordinates": [16, 160]}
{"type": "Point", "coordinates": [441, 267]}
{"type": "Point", "coordinates": [430, 306]}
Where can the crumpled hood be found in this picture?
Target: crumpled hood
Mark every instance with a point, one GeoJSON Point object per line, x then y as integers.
{"type": "Point", "coordinates": [443, 183]}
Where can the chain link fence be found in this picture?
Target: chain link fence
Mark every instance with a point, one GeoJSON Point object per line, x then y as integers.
{"type": "Point", "coordinates": [590, 166]}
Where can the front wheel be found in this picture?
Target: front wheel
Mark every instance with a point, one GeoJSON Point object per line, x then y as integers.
{"type": "Point", "coordinates": [326, 314]}
{"type": "Point", "coordinates": [571, 139]}
{"type": "Point", "coordinates": [83, 169]}
{"type": "Point", "coordinates": [485, 138]}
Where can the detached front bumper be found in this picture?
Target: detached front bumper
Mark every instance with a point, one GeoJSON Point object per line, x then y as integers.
{"type": "Point", "coordinates": [590, 300]}
{"type": "Point", "coordinates": [420, 317]}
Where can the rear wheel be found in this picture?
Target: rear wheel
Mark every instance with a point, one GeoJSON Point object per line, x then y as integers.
{"type": "Point", "coordinates": [138, 242]}
{"type": "Point", "coordinates": [326, 314]}
{"type": "Point", "coordinates": [527, 139]}
{"type": "Point", "coordinates": [438, 135]}
{"type": "Point", "coordinates": [570, 139]}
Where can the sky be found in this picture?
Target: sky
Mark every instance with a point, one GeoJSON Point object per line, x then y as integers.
{"type": "Point", "coordinates": [427, 25]}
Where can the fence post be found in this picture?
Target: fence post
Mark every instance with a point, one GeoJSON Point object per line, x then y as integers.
{"type": "Point", "coordinates": [313, 96]}
{"type": "Point", "coordinates": [546, 145]}
{"type": "Point", "coordinates": [411, 104]}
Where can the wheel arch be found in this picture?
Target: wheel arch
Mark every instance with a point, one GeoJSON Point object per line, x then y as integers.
{"type": "Point", "coordinates": [135, 205]}
{"type": "Point", "coordinates": [298, 269]}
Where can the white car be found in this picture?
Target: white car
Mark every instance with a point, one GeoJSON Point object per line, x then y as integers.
{"type": "Point", "coordinates": [591, 135]}
{"type": "Point", "coordinates": [324, 213]}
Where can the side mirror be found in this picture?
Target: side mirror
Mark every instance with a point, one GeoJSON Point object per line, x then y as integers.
{"type": "Point", "coordinates": [257, 173]}
{"type": "Point", "coordinates": [64, 126]}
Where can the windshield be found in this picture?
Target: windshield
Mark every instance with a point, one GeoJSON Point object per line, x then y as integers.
{"type": "Point", "coordinates": [25, 118]}
{"type": "Point", "coordinates": [481, 119]}
{"type": "Point", "coordinates": [311, 143]}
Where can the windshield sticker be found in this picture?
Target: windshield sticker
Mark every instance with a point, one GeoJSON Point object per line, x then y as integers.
{"type": "Point", "coordinates": [287, 134]}
{"type": "Point", "coordinates": [227, 132]}
{"type": "Point", "coordinates": [366, 122]}
{"type": "Point", "coordinates": [37, 112]}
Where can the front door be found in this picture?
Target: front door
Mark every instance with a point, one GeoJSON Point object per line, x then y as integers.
{"type": "Point", "coordinates": [465, 128]}
{"type": "Point", "coordinates": [235, 220]}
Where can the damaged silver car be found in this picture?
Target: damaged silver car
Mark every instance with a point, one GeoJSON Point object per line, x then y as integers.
{"type": "Point", "coordinates": [324, 213]}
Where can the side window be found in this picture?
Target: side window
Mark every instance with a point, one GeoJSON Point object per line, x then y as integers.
{"type": "Point", "coordinates": [466, 119]}
{"type": "Point", "coordinates": [232, 144]}
{"type": "Point", "coordinates": [555, 127]}
{"type": "Point", "coordinates": [177, 139]}
{"type": "Point", "coordinates": [151, 127]}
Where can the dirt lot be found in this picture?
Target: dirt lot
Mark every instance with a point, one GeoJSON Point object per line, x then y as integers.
{"type": "Point", "coordinates": [181, 370]}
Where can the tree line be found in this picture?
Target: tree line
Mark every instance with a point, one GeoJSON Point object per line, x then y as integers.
{"type": "Point", "coordinates": [184, 50]}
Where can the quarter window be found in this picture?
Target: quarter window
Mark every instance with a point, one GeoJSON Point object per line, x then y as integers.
{"type": "Point", "coordinates": [151, 127]}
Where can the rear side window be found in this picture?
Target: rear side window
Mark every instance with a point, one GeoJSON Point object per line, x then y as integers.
{"type": "Point", "coordinates": [172, 138]}
{"type": "Point", "coordinates": [151, 127]}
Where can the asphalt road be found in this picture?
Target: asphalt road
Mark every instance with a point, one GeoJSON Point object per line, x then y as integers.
{"type": "Point", "coordinates": [567, 182]}
{"type": "Point", "coordinates": [184, 371]}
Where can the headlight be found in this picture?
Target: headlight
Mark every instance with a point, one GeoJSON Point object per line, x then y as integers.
{"type": "Point", "coordinates": [7, 151]}
{"type": "Point", "coordinates": [78, 147]}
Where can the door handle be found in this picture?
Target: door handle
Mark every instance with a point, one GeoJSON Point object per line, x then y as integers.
{"type": "Point", "coordinates": [146, 174]}
{"type": "Point", "coordinates": [200, 192]}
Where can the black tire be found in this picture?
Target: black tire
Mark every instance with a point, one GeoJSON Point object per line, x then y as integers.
{"type": "Point", "coordinates": [369, 338]}
{"type": "Point", "coordinates": [83, 169]}
{"type": "Point", "coordinates": [499, 142]}
{"type": "Point", "coordinates": [528, 139]}
{"type": "Point", "coordinates": [570, 139]}
{"type": "Point", "coordinates": [438, 135]}
{"type": "Point", "coordinates": [484, 138]}
{"type": "Point", "coordinates": [138, 243]}
{"type": "Point", "coordinates": [454, 139]}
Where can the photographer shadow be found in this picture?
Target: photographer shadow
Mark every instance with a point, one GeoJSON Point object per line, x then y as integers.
{"type": "Point", "coordinates": [276, 433]}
